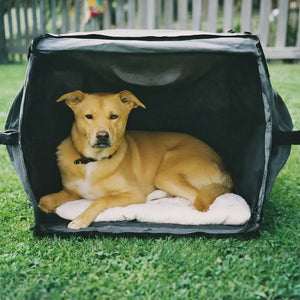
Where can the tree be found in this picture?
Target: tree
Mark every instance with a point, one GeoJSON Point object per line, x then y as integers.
{"type": "Point", "coordinates": [3, 48]}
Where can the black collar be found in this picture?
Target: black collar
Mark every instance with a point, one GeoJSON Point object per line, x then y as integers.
{"type": "Point", "coordinates": [85, 160]}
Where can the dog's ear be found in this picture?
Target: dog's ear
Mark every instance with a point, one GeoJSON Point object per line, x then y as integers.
{"type": "Point", "coordinates": [72, 99]}
{"type": "Point", "coordinates": [130, 100]}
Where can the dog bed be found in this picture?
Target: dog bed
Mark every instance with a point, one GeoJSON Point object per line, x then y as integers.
{"type": "Point", "coordinates": [227, 209]}
{"type": "Point", "coordinates": [213, 86]}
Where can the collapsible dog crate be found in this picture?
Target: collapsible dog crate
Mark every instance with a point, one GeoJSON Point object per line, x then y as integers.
{"type": "Point", "coordinates": [213, 86]}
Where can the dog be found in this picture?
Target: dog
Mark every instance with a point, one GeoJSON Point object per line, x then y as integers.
{"type": "Point", "coordinates": [103, 162]}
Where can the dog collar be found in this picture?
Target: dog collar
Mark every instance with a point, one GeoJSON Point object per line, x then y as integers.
{"type": "Point", "coordinates": [85, 160]}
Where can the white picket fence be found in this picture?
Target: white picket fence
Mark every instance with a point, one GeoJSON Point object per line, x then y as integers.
{"type": "Point", "coordinates": [278, 26]}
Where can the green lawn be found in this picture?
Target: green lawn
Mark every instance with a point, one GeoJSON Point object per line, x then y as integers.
{"type": "Point", "coordinates": [265, 267]}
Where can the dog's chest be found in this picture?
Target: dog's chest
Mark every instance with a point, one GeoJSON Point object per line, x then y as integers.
{"type": "Point", "coordinates": [89, 188]}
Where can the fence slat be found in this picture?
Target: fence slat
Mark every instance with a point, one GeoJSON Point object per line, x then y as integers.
{"type": "Point", "coordinates": [142, 12]}
{"type": "Point", "coordinates": [298, 32]}
{"type": "Point", "coordinates": [25, 10]}
{"type": "Point", "coordinates": [169, 13]}
{"type": "Point", "coordinates": [77, 14]}
{"type": "Point", "coordinates": [107, 16]}
{"type": "Point", "coordinates": [65, 22]}
{"type": "Point", "coordinates": [196, 14]}
{"type": "Point", "coordinates": [158, 13]}
{"type": "Point", "coordinates": [265, 10]}
{"type": "Point", "coordinates": [53, 16]}
{"type": "Point", "coordinates": [43, 16]}
{"type": "Point", "coordinates": [212, 15]}
{"type": "Point", "coordinates": [120, 14]}
{"type": "Point", "coordinates": [282, 23]}
{"type": "Point", "coordinates": [182, 6]}
{"type": "Point", "coordinates": [3, 46]}
{"type": "Point", "coordinates": [151, 14]}
{"type": "Point", "coordinates": [227, 15]}
{"type": "Point", "coordinates": [131, 14]}
{"type": "Point", "coordinates": [19, 33]}
{"type": "Point", "coordinates": [34, 18]}
{"type": "Point", "coordinates": [11, 43]}
{"type": "Point", "coordinates": [246, 16]}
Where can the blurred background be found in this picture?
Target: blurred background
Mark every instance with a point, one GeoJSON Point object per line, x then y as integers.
{"type": "Point", "coordinates": [276, 22]}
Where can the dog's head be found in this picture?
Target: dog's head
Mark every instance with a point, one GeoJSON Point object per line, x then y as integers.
{"type": "Point", "coordinates": [101, 118]}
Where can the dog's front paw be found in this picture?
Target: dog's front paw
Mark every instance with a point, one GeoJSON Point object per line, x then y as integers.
{"type": "Point", "coordinates": [47, 204]}
{"type": "Point", "coordinates": [77, 223]}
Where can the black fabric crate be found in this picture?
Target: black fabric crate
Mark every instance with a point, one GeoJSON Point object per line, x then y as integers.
{"type": "Point", "coordinates": [213, 86]}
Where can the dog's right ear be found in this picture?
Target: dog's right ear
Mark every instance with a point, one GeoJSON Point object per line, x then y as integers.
{"type": "Point", "coordinates": [130, 100]}
{"type": "Point", "coordinates": [72, 99]}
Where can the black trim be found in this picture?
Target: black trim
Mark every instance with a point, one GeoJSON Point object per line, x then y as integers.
{"type": "Point", "coordinates": [165, 37]}
{"type": "Point", "coordinates": [286, 138]}
{"type": "Point", "coordinates": [136, 228]}
{"type": "Point", "coordinates": [9, 137]}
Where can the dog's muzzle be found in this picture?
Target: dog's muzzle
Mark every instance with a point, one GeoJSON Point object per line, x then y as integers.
{"type": "Point", "coordinates": [102, 140]}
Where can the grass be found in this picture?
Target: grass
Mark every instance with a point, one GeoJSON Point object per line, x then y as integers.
{"type": "Point", "coordinates": [265, 267]}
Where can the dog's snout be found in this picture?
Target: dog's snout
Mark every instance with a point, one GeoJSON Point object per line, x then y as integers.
{"type": "Point", "coordinates": [102, 135]}
{"type": "Point", "coordinates": [103, 139]}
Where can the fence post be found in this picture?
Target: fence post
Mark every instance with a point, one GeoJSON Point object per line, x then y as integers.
{"type": "Point", "coordinates": [3, 49]}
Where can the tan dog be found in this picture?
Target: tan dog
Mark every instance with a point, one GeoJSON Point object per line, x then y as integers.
{"type": "Point", "coordinates": [100, 162]}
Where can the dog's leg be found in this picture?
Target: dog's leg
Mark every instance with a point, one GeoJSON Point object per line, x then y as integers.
{"type": "Point", "coordinates": [50, 202]}
{"type": "Point", "coordinates": [176, 185]}
{"type": "Point", "coordinates": [103, 203]}
{"type": "Point", "coordinates": [202, 198]}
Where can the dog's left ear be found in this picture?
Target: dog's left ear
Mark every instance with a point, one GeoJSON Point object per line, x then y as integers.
{"type": "Point", "coordinates": [130, 100]}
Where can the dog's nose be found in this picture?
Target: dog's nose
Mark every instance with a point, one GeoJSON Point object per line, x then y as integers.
{"type": "Point", "coordinates": [102, 135]}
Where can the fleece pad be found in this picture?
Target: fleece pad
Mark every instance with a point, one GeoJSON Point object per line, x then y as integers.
{"type": "Point", "coordinates": [227, 209]}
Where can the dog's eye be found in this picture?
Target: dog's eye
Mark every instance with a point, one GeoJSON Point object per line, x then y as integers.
{"type": "Point", "coordinates": [89, 116]}
{"type": "Point", "coordinates": [113, 117]}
